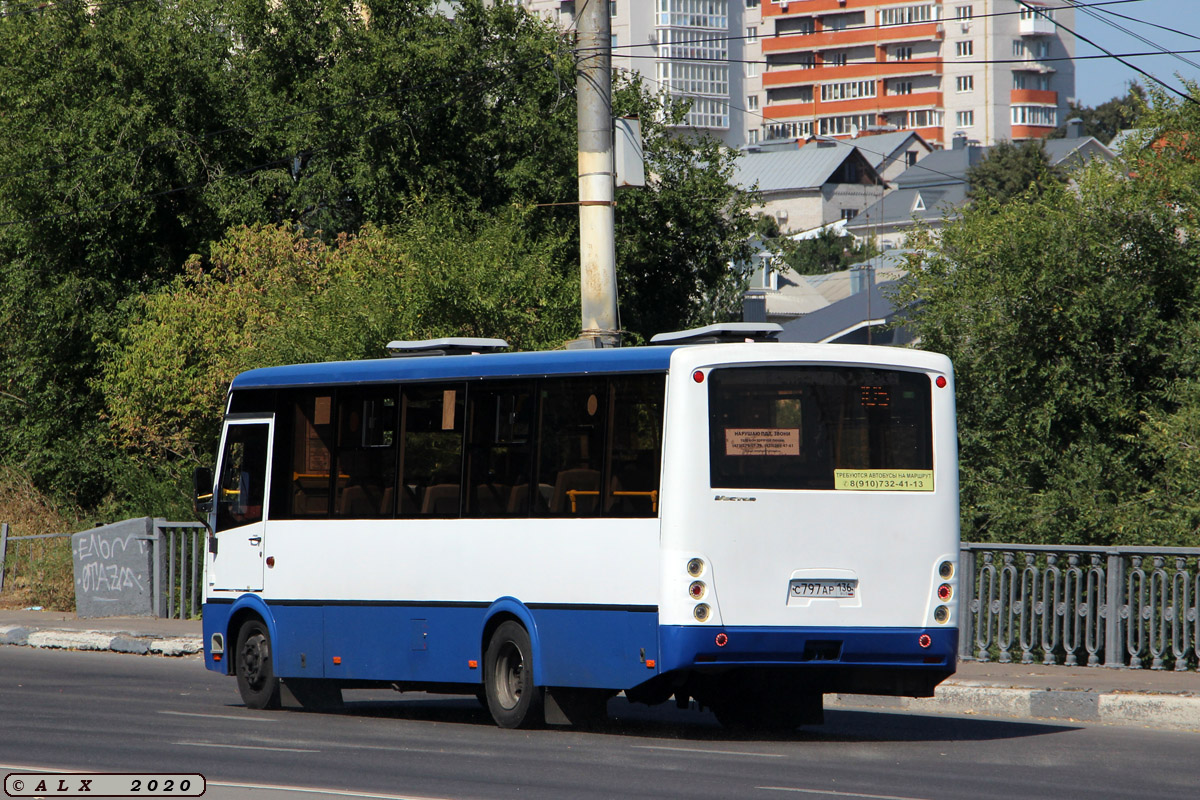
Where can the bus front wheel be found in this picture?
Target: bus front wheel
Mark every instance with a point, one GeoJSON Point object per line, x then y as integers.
{"type": "Point", "coordinates": [255, 670]}
{"type": "Point", "coordinates": [512, 699]}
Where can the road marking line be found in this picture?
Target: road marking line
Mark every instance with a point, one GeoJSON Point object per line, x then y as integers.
{"type": "Point", "coordinates": [219, 716]}
{"type": "Point", "coordinates": [706, 752]}
{"type": "Point", "coordinates": [830, 792]}
{"type": "Point", "coordinates": [313, 790]}
{"type": "Point", "coordinates": [245, 747]}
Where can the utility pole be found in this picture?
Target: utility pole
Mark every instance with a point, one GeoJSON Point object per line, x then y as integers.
{"type": "Point", "coordinates": [597, 245]}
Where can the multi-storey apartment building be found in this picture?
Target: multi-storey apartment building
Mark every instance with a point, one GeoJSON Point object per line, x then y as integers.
{"type": "Point", "coordinates": [768, 69]}
{"type": "Point", "coordinates": [992, 69]}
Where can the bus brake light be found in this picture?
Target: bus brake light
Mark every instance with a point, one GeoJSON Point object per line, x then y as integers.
{"type": "Point", "coordinates": [925, 640]}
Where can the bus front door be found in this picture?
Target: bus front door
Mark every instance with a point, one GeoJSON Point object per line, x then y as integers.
{"type": "Point", "coordinates": [236, 559]}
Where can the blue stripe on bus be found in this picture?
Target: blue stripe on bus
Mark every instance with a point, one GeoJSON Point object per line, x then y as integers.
{"type": "Point", "coordinates": [689, 646]}
{"type": "Point", "coordinates": [602, 647]}
{"type": "Point", "coordinates": [485, 365]}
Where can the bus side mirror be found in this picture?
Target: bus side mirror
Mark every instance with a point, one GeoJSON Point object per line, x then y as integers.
{"type": "Point", "coordinates": [202, 491]}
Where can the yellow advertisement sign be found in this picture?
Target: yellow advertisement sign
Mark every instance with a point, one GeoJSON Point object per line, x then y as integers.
{"type": "Point", "coordinates": [884, 480]}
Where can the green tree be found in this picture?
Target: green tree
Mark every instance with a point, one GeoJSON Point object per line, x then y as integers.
{"type": "Point", "coordinates": [1067, 315]}
{"type": "Point", "coordinates": [1009, 170]}
{"type": "Point", "coordinates": [828, 251]}
{"type": "Point", "coordinates": [1109, 118]}
{"type": "Point", "coordinates": [270, 296]}
{"type": "Point", "coordinates": [680, 237]}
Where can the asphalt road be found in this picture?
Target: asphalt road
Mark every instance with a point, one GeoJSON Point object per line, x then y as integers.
{"type": "Point", "coordinates": [109, 712]}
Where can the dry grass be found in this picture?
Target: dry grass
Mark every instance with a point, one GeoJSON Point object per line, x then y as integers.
{"type": "Point", "coordinates": [50, 581]}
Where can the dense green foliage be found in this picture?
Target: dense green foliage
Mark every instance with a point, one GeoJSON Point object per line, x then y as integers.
{"type": "Point", "coordinates": [1108, 119]}
{"type": "Point", "coordinates": [1071, 317]}
{"type": "Point", "coordinates": [150, 153]}
{"type": "Point", "coordinates": [828, 251]}
{"type": "Point", "coordinates": [1011, 170]}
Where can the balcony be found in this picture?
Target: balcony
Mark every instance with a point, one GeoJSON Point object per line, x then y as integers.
{"type": "Point", "coordinates": [1036, 25]}
{"type": "Point", "coordinates": [858, 105]}
{"type": "Point", "coordinates": [824, 40]}
{"type": "Point", "coordinates": [1042, 96]}
{"type": "Point", "coordinates": [870, 69]}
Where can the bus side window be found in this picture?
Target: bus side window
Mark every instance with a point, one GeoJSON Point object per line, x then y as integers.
{"type": "Point", "coordinates": [311, 456]}
{"type": "Point", "coordinates": [366, 453]}
{"type": "Point", "coordinates": [499, 449]}
{"type": "Point", "coordinates": [635, 445]}
{"type": "Point", "coordinates": [432, 420]}
{"type": "Point", "coordinates": [571, 449]}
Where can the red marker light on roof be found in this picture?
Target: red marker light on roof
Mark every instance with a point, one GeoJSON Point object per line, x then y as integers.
{"type": "Point", "coordinates": [698, 376]}
{"type": "Point", "coordinates": [941, 381]}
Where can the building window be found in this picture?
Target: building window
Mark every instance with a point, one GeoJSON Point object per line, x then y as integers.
{"type": "Point", "coordinates": [1043, 12]}
{"type": "Point", "coordinates": [964, 119]}
{"type": "Point", "coordinates": [1035, 115]}
{"type": "Point", "coordinates": [751, 3]}
{"type": "Point", "coordinates": [752, 136]}
{"type": "Point", "coordinates": [964, 83]}
{"type": "Point", "coordinates": [964, 49]}
{"type": "Point", "coordinates": [751, 69]}
{"type": "Point", "coordinates": [964, 12]}
{"type": "Point", "coordinates": [924, 118]}
{"type": "Point", "coordinates": [751, 34]}
{"type": "Point", "coordinates": [901, 87]}
{"type": "Point", "coordinates": [850, 90]}
{"type": "Point", "coordinates": [902, 53]}
{"type": "Point", "coordinates": [612, 8]}
{"type": "Point", "coordinates": [752, 102]}
{"type": "Point", "coordinates": [910, 158]}
{"type": "Point", "coordinates": [908, 15]}
{"type": "Point", "coordinates": [835, 59]}
{"type": "Point", "coordinates": [789, 130]}
{"type": "Point", "coordinates": [849, 213]}
{"type": "Point", "coordinates": [613, 41]}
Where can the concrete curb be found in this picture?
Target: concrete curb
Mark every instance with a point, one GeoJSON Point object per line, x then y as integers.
{"type": "Point", "coordinates": [99, 640]}
{"type": "Point", "coordinates": [1177, 712]}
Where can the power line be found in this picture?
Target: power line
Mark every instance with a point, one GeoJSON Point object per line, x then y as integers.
{"type": "Point", "coordinates": [1151, 24]}
{"type": "Point", "coordinates": [931, 61]}
{"type": "Point", "coordinates": [1097, 16]}
{"type": "Point", "coordinates": [855, 143]}
{"type": "Point", "coordinates": [877, 26]}
{"type": "Point", "coordinates": [1110, 54]}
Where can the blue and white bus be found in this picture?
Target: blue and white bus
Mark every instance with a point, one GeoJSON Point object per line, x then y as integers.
{"type": "Point", "coordinates": [744, 525]}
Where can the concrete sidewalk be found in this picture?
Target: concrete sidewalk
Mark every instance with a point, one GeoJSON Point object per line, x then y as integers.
{"type": "Point", "coordinates": [1152, 698]}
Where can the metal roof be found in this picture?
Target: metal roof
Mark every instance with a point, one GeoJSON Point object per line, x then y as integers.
{"type": "Point", "coordinates": [788, 170]}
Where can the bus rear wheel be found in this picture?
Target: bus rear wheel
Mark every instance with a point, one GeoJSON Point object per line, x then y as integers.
{"type": "Point", "coordinates": [512, 699]}
{"type": "Point", "coordinates": [256, 679]}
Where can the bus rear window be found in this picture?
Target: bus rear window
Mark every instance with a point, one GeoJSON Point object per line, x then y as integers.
{"type": "Point", "coordinates": [794, 427]}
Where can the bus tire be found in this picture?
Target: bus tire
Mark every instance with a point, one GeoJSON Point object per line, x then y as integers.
{"type": "Point", "coordinates": [512, 698]}
{"type": "Point", "coordinates": [314, 694]}
{"type": "Point", "coordinates": [255, 669]}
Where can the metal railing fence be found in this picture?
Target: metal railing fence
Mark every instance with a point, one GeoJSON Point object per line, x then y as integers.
{"type": "Point", "coordinates": [1074, 605]}
{"type": "Point", "coordinates": [177, 559]}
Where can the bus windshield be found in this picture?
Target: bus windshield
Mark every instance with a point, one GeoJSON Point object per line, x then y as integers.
{"type": "Point", "coordinates": [818, 427]}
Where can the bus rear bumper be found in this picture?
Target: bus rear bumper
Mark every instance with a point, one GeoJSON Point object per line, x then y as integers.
{"type": "Point", "coordinates": [887, 661]}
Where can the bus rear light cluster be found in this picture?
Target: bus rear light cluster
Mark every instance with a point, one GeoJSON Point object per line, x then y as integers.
{"type": "Point", "coordinates": [945, 592]}
{"type": "Point", "coordinates": [695, 567]}
{"type": "Point", "coordinates": [696, 590]}
{"type": "Point", "coordinates": [946, 570]}
{"type": "Point", "coordinates": [701, 612]}
{"type": "Point", "coordinates": [925, 640]}
{"type": "Point", "coordinates": [941, 614]}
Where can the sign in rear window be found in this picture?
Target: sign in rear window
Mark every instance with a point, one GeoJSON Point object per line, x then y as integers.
{"type": "Point", "coordinates": [820, 427]}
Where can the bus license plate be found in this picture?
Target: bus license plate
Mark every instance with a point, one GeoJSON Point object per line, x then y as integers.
{"type": "Point", "coordinates": [822, 588]}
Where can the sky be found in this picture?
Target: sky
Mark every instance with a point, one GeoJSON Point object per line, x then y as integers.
{"type": "Point", "coordinates": [1099, 80]}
